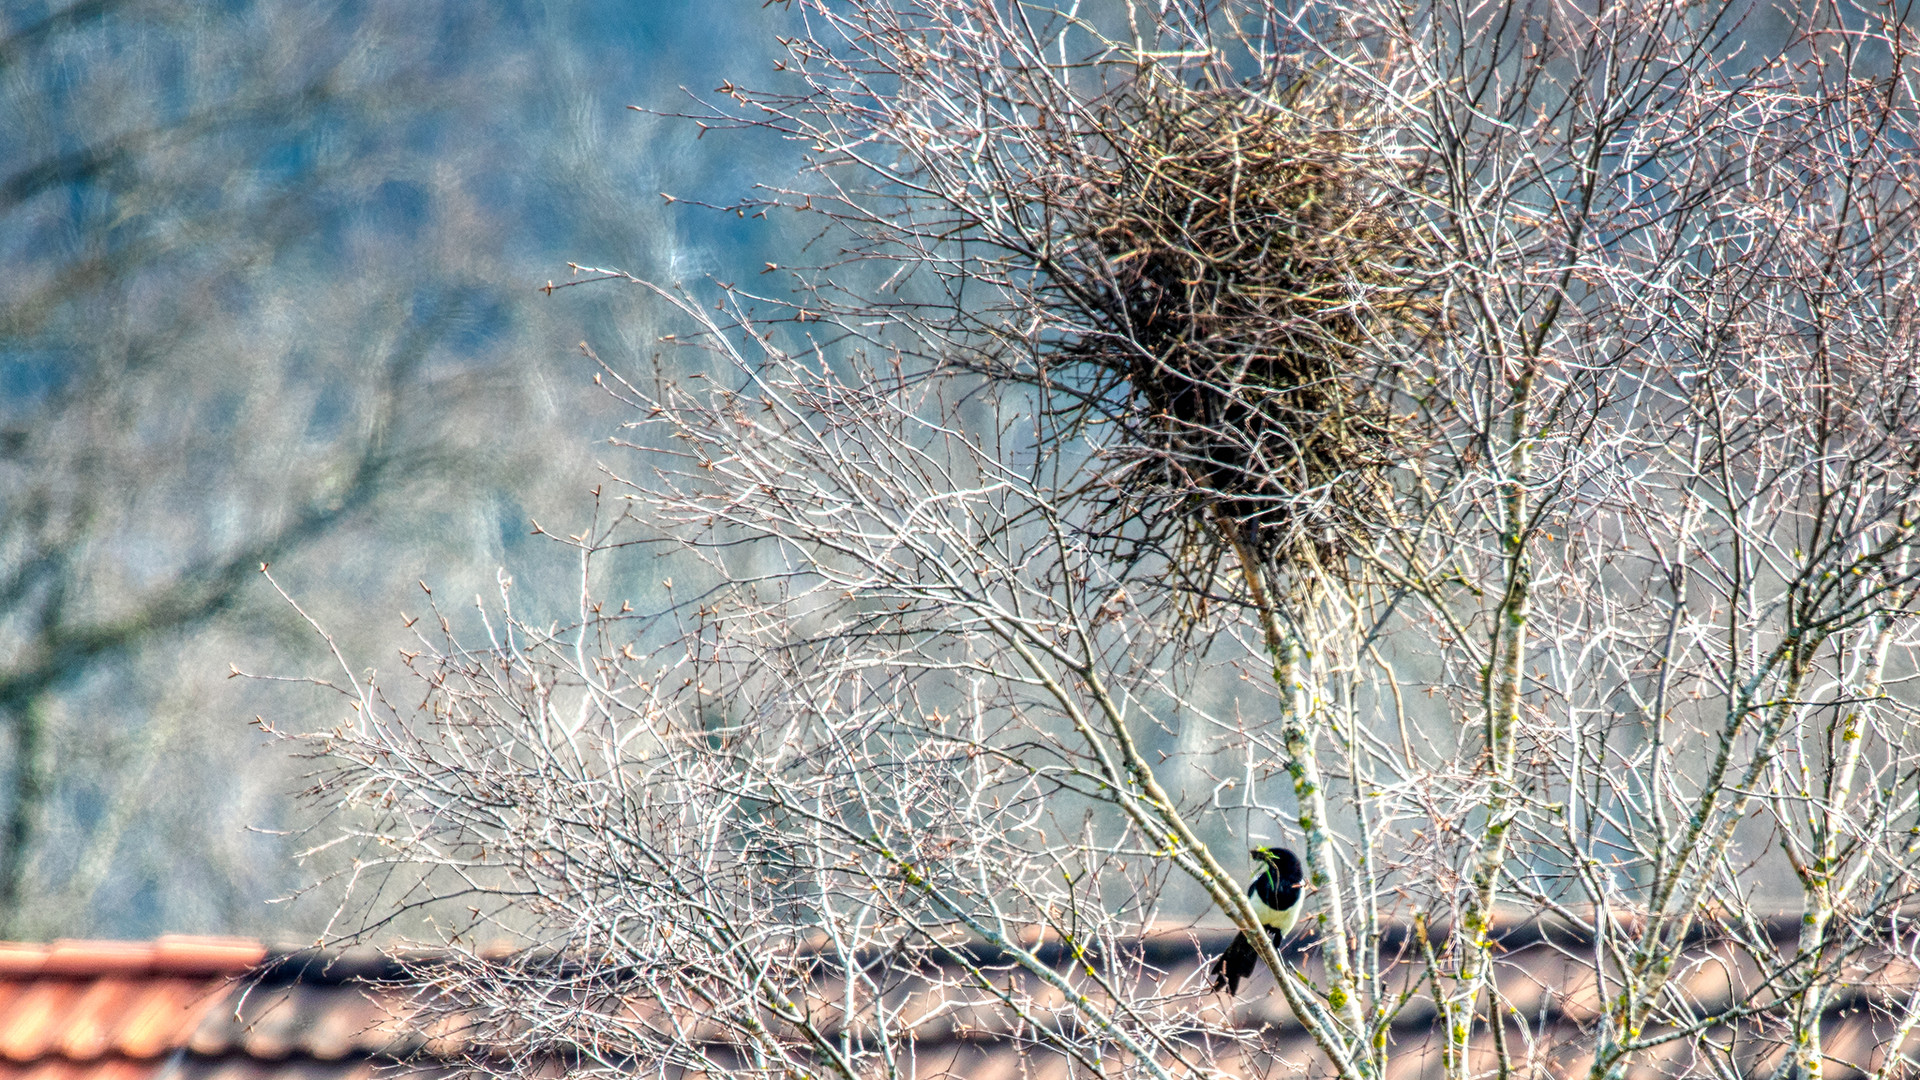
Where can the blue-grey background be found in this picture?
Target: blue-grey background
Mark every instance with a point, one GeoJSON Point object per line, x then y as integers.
{"type": "Point", "coordinates": [269, 292]}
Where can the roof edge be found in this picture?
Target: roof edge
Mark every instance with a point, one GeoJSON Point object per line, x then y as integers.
{"type": "Point", "coordinates": [185, 955]}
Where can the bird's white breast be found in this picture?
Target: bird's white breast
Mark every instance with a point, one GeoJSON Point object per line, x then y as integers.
{"type": "Point", "coordinates": [1280, 920]}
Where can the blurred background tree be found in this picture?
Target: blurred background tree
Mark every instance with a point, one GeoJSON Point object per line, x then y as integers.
{"type": "Point", "coordinates": [269, 292]}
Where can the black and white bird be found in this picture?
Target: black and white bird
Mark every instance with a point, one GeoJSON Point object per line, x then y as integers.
{"type": "Point", "coordinates": [1275, 892]}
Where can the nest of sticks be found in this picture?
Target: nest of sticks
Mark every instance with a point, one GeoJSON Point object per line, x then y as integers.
{"type": "Point", "coordinates": [1249, 276]}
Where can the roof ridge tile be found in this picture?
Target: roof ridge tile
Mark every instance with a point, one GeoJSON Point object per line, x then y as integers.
{"type": "Point", "coordinates": [169, 954]}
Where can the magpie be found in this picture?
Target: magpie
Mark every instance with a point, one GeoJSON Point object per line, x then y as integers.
{"type": "Point", "coordinates": [1275, 892]}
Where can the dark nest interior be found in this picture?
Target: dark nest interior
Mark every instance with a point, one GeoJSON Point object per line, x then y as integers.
{"type": "Point", "coordinates": [1248, 277]}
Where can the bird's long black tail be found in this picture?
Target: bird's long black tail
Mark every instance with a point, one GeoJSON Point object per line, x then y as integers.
{"type": "Point", "coordinates": [1238, 962]}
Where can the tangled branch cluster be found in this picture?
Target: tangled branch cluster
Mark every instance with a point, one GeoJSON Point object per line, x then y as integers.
{"type": "Point", "coordinates": [1248, 259]}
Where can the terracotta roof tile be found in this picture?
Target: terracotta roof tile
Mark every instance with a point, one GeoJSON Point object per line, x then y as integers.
{"type": "Point", "coordinates": [19, 959]}
{"type": "Point", "coordinates": [95, 958]}
{"type": "Point", "coordinates": [211, 1037]}
{"type": "Point", "coordinates": [175, 1009]}
{"type": "Point", "coordinates": [95, 1016]}
{"type": "Point", "coordinates": [35, 1019]}
{"type": "Point", "coordinates": [172, 954]}
{"type": "Point", "coordinates": [183, 955]}
{"type": "Point", "coordinates": [166, 1010]}
{"type": "Point", "coordinates": [337, 1032]}
{"type": "Point", "coordinates": [271, 1024]}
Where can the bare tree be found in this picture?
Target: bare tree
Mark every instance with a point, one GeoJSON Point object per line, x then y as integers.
{"type": "Point", "coordinates": [1527, 395]}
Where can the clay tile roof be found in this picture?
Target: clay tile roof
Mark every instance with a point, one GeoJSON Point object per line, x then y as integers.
{"type": "Point", "coordinates": [183, 1008]}
{"type": "Point", "coordinates": [190, 1008]}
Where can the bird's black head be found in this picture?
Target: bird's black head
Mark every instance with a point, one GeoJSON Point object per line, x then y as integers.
{"type": "Point", "coordinates": [1282, 861]}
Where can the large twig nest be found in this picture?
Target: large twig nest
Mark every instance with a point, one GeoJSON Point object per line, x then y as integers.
{"type": "Point", "coordinates": [1249, 270]}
